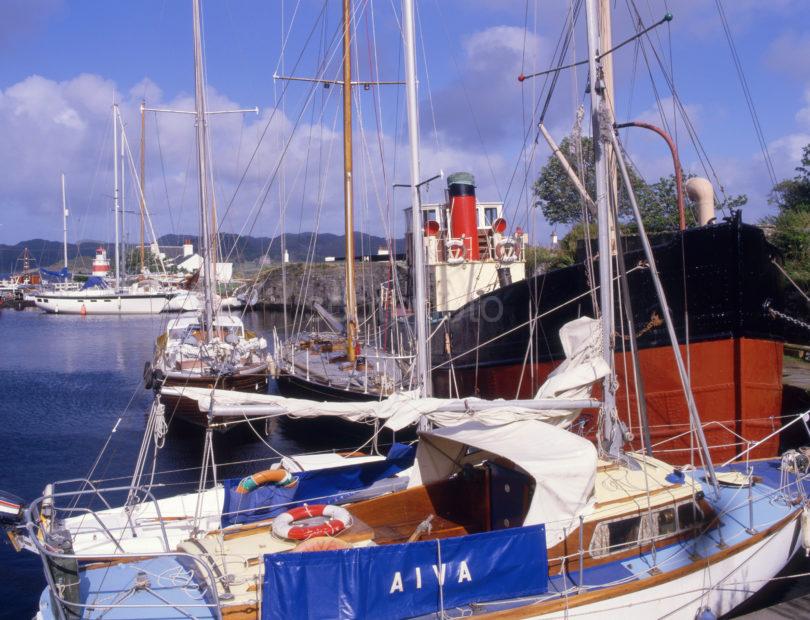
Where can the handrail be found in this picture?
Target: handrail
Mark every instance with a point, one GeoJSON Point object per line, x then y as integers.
{"type": "Point", "coordinates": [35, 505]}
{"type": "Point", "coordinates": [45, 553]}
{"type": "Point", "coordinates": [83, 481]}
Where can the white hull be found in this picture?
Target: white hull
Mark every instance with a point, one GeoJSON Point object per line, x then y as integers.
{"type": "Point", "coordinates": [103, 303]}
{"type": "Point", "coordinates": [186, 301]}
{"type": "Point", "coordinates": [722, 586]}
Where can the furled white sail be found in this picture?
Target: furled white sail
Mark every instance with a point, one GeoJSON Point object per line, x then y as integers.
{"type": "Point", "coordinates": [558, 401]}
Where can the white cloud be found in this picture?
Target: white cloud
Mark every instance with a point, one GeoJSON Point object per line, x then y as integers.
{"type": "Point", "coordinates": [788, 54]}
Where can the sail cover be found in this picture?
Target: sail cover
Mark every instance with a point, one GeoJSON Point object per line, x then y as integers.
{"type": "Point", "coordinates": [562, 465]}
{"type": "Point", "coordinates": [571, 381]}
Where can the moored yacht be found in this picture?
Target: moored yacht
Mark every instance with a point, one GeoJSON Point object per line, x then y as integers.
{"type": "Point", "coordinates": [187, 355]}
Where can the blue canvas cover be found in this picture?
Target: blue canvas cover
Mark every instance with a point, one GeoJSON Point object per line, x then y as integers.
{"type": "Point", "coordinates": [402, 581]}
{"type": "Point", "coordinates": [94, 282]}
{"type": "Point", "coordinates": [326, 486]}
{"type": "Point", "coordinates": [62, 274]}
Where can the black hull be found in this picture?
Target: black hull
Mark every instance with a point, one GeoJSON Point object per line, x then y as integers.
{"type": "Point", "coordinates": [720, 282]}
{"type": "Point", "coordinates": [722, 275]}
{"type": "Point", "coordinates": [330, 429]}
{"type": "Point", "coordinates": [298, 387]}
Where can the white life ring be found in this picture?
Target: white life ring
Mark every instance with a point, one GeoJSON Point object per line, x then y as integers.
{"type": "Point", "coordinates": [338, 519]}
{"type": "Point", "coordinates": [456, 251]}
{"type": "Point", "coordinates": [506, 251]}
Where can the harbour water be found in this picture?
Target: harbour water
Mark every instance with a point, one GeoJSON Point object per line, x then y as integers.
{"type": "Point", "coordinates": [65, 381]}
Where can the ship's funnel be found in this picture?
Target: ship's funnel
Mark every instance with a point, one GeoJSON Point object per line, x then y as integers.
{"type": "Point", "coordinates": [701, 192]}
{"type": "Point", "coordinates": [463, 215]}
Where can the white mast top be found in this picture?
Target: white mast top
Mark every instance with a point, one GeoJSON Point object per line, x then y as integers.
{"type": "Point", "coordinates": [64, 221]}
{"type": "Point", "coordinates": [419, 305]}
{"type": "Point", "coordinates": [115, 194]}
{"type": "Point", "coordinates": [202, 163]}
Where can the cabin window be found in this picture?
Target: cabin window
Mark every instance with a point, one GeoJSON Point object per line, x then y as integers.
{"type": "Point", "coordinates": [621, 534]}
{"type": "Point", "coordinates": [490, 215]}
{"type": "Point", "coordinates": [665, 520]}
{"type": "Point", "coordinates": [624, 533]}
{"type": "Point", "coordinates": [689, 515]}
{"type": "Point", "coordinates": [615, 536]}
{"type": "Point", "coordinates": [428, 215]}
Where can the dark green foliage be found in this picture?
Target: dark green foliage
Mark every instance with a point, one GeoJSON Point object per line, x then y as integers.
{"type": "Point", "coordinates": [791, 226]}
{"type": "Point", "coordinates": [657, 201]}
{"type": "Point", "coordinates": [561, 202]}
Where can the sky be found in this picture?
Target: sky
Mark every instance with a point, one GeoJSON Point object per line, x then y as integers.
{"type": "Point", "coordinates": [64, 63]}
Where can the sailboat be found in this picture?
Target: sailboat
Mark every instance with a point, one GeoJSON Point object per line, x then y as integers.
{"type": "Point", "coordinates": [336, 364]}
{"type": "Point", "coordinates": [98, 295]}
{"type": "Point", "coordinates": [208, 348]}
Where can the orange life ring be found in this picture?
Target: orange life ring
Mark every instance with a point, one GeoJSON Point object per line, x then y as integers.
{"type": "Point", "coordinates": [276, 477]}
{"type": "Point", "coordinates": [338, 519]}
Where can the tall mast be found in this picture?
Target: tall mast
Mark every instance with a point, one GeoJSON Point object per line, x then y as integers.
{"type": "Point", "coordinates": [612, 437]}
{"type": "Point", "coordinates": [419, 306]}
{"type": "Point", "coordinates": [348, 192]}
{"type": "Point", "coordinates": [123, 199]}
{"type": "Point", "coordinates": [202, 163]}
{"type": "Point", "coordinates": [606, 62]}
{"type": "Point", "coordinates": [64, 220]}
{"type": "Point", "coordinates": [143, 177]}
{"type": "Point", "coordinates": [115, 193]}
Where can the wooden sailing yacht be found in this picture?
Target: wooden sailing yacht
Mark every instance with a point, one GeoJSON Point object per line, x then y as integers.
{"type": "Point", "coordinates": [208, 348]}
{"type": "Point", "coordinates": [337, 364]}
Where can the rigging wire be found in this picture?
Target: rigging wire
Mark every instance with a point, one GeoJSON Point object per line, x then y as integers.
{"type": "Point", "coordinates": [749, 99]}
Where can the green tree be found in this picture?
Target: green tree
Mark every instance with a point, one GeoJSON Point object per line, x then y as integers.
{"type": "Point", "coordinates": [561, 202]}
{"type": "Point", "coordinates": [791, 225]}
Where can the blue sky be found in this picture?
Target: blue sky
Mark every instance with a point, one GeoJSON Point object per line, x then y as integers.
{"type": "Point", "coordinates": [63, 60]}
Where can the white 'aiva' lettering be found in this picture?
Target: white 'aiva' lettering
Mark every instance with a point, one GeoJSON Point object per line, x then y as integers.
{"type": "Point", "coordinates": [464, 574]}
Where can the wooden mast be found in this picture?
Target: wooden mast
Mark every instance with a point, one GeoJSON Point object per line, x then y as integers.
{"type": "Point", "coordinates": [351, 303]}
{"type": "Point", "coordinates": [143, 176]}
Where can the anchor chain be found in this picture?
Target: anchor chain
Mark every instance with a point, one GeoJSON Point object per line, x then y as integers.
{"type": "Point", "coordinates": [785, 317]}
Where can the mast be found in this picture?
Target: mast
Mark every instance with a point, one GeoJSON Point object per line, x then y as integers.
{"type": "Point", "coordinates": [606, 62]}
{"type": "Point", "coordinates": [115, 193]}
{"type": "Point", "coordinates": [143, 176]}
{"type": "Point", "coordinates": [202, 163]}
{"type": "Point", "coordinates": [419, 306]}
{"type": "Point", "coordinates": [123, 200]}
{"type": "Point", "coordinates": [64, 221]}
{"type": "Point", "coordinates": [612, 437]}
{"type": "Point", "coordinates": [348, 192]}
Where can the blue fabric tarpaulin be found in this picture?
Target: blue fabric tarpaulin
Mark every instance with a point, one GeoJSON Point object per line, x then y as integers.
{"type": "Point", "coordinates": [94, 282]}
{"type": "Point", "coordinates": [62, 274]}
{"type": "Point", "coordinates": [324, 486]}
{"type": "Point", "coordinates": [402, 581]}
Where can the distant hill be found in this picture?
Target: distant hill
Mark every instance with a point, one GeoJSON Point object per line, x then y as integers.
{"type": "Point", "coordinates": [44, 253]}
{"type": "Point", "coordinates": [245, 249]}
